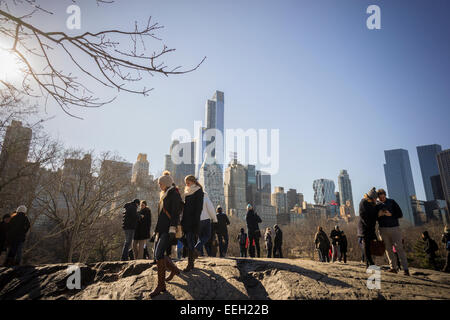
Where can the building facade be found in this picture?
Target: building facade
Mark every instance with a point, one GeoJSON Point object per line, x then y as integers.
{"type": "Point", "coordinates": [234, 190]}
{"type": "Point", "coordinates": [443, 159]}
{"type": "Point", "coordinates": [345, 190]}
{"type": "Point", "coordinates": [324, 191]}
{"type": "Point", "coordinates": [428, 166]}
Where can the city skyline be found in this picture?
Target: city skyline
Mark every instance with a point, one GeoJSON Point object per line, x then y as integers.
{"type": "Point", "coordinates": [327, 71]}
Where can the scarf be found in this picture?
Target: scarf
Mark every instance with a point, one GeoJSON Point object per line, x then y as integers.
{"type": "Point", "coordinates": [162, 196]}
{"type": "Point", "coordinates": [190, 190]}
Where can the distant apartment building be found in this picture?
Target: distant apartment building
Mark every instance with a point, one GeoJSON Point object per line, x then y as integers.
{"type": "Point", "coordinates": [211, 178]}
{"type": "Point", "coordinates": [234, 189]}
{"type": "Point", "coordinates": [345, 191]}
{"type": "Point", "coordinates": [428, 166]}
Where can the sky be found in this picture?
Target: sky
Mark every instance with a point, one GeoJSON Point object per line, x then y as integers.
{"type": "Point", "coordinates": [339, 93]}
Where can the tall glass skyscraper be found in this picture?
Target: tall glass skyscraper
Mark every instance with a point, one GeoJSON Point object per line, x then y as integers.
{"type": "Point", "coordinates": [443, 159]}
{"type": "Point", "coordinates": [399, 180]}
{"type": "Point", "coordinates": [345, 188]}
{"type": "Point", "coordinates": [324, 191]}
{"type": "Point", "coordinates": [428, 166]}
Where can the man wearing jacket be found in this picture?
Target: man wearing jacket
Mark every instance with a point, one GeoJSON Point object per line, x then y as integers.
{"type": "Point", "coordinates": [222, 231]}
{"type": "Point", "coordinates": [253, 221]}
{"type": "Point", "coordinates": [129, 223]}
{"type": "Point", "coordinates": [388, 214]}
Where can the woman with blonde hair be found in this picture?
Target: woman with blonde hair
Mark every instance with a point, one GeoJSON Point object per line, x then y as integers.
{"type": "Point", "coordinates": [193, 206]}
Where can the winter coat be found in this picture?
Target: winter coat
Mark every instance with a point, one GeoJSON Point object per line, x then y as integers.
{"type": "Point", "coordinates": [391, 206]}
{"type": "Point", "coordinates": [430, 247]}
{"type": "Point", "coordinates": [321, 240]}
{"type": "Point", "coordinates": [18, 228]}
{"type": "Point", "coordinates": [130, 216]}
{"type": "Point", "coordinates": [171, 205]}
{"type": "Point", "coordinates": [335, 233]}
{"type": "Point", "coordinates": [222, 223]}
{"type": "Point", "coordinates": [3, 235]}
{"type": "Point", "coordinates": [278, 240]}
{"type": "Point", "coordinates": [446, 240]}
{"type": "Point", "coordinates": [252, 221]}
{"type": "Point", "coordinates": [367, 219]}
{"type": "Point", "coordinates": [268, 240]}
{"type": "Point", "coordinates": [208, 211]}
{"type": "Point", "coordinates": [193, 206]}
{"type": "Point", "coordinates": [343, 243]}
{"type": "Point", "coordinates": [144, 224]}
{"type": "Point", "coordinates": [242, 238]}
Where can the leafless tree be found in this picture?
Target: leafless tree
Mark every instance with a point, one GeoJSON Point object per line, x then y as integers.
{"type": "Point", "coordinates": [112, 58]}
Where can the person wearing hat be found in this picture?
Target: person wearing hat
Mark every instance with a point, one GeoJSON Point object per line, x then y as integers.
{"type": "Point", "coordinates": [277, 242]}
{"type": "Point", "coordinates": [368, 214]}
{"type": "Point", "coordinates": [446, 241]}
{"type": "Point", "coordinates": [253, 231]}
{"type": "Point", "coordinates": [221, 229]}
{"type": "Point", "coordinates": [17, 231]}
{"type": "Point", "coordinates": [335, 237]}
{"type": "Point", "coordinates": [129, 223]}
{"type": "Point", "coordinates": [169, 210]}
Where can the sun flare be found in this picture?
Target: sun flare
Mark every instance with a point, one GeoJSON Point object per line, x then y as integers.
{"type": "Point", "coordinates": [9, 66]}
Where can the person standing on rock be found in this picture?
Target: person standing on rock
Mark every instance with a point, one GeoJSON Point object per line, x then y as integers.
{"type": "Point", "coordinates": [207, 217]}
{"type": "Point", "coordinates": [343, 244]}
{"type": "Point", "coordinates": [169, 209]}
{"type": "Point", "coordinates": [193, 206]}
{"type": "Point", "coordinates": [335, 237]}
{"type": "Point", "coordinates": [446, 241]}
{"type": "Point", "coordinates": [277, 242]}
{"type": "Point", "coordinates": [322, 244]}
{"type": "Point", "coordinates": [222, 231]}
{"type": "Point", "coordinates": [367, 221]}
{"type": "Point", "coordinates": [129, 223]}
{"type": "Point", "coordinates": [18, 228]}
{"type": "Point", "coordinates": [253, 221]}
{"type": "Point", "coordinates": [430, 249]}
{"type": "Point", "coordinates": [388, 214]}
{"type": "Point", "coordinates": [268, 242]}
{"type": "Point", "coordinates": [142, 233]}
{"type": "Point", "coordinates": [242, 239]}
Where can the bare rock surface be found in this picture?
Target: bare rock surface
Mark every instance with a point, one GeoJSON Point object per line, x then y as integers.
{"type": "Point", "coordinates": [224, 279]}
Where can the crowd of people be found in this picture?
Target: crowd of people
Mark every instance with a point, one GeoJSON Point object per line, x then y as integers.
{"type": "Point", "coordinates": [189, 222]}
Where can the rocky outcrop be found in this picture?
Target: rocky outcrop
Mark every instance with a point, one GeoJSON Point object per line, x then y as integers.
{"type": "Point", "coordinates": [225, 279]}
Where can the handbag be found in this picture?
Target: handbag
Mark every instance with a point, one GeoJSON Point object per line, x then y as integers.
{"type": "Point", "coordinates": [377, 248]}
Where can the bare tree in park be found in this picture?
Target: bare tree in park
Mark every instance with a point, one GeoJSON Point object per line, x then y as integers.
{"type": "Point", "coordinates": [117, 59]}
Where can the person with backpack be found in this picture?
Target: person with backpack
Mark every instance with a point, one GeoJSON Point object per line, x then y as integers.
{"type": "Point", "coordinates": [221, 228]}
{"type": "Point", "coordinates": [129, 223]}
{"type": "Point", "coordinates": [242, 239]}
{"type": "Point", "coordinates": [169, 209]}
{"type": "Point", "coordinates": [142, 232]}
{"type": "Point", "coordinates": [207, 217]}
{"type": "Point", "coordinates": [446, 241]}
{"type": "Point", "coordinates": [277, 242]}
{"type": "Point", "coordinates": [3, 237]}
{"type": "Point", "coordinates": [430, 249]}
{"type": "Point", "coordinates": [335, 238]}
{"type": "Point", "coordinates": [17, 231]}
{"type": "Point", "coordinates": [322, 244]}
{"type": "Point", "coordinates": [268, 242]}
{"type": "Point", "coordinates": [253, 221]}
{"type": "Point", "coordinates": [193, 207]}
{"type": "Point", "coordinates": [343, 247]}
{"type": "Point", "coordinates": [388, 214]}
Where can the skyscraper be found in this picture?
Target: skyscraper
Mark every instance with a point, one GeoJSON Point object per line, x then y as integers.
{"type": "Point", "coordinates": [181, 160]}
{"type": "Point", "coordinates": [428, 166]}
{"type": "Point", "coordinates": [15, 148]}
{"type": "Point", "coordinates": [140, 169]}
{"type": "Point", "coordinates": [324, 191]}
{"type": "Point", "coordinates": [251, 187]}
{"type": "Point", "coordinates": [399, 180]}
{"type": "Point", "coordinates": [443, 159]}
{"type": "Point", "coordinates": [211, 178]}
{"type": "Point", "coordinates": [263, 181]}
{"type": "Point", "coordinates": [234, 189]}
{"type": "Point", "coordinates": [345, 190]}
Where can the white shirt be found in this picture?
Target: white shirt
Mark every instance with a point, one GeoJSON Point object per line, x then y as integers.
{"type": "Point", "coordinates": [208, 211]}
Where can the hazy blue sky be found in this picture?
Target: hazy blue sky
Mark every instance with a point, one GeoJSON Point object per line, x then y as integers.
{"type": "Point", "coordinates": [339, 93]}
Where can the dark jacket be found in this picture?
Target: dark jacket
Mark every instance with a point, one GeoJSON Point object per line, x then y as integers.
{"type": "Point", "coordinates": [18, 228]}
{"type": "Point", "coordinates": [343, 243]}
{"type": "Point", "coordinates": [144, 224]}
{"type": "Point", "coordinates": [3, 235]}
{"type": "Point", "coordinates": [445, 240]}
{"type": "Point", "coordinates": [242, 238]}
{"type": "Point", "coordinates": [278, 240]}
{"type": "Point", "coordinates": [391, 206]}
{"type": "Point", "coordinates": [430, 247]}
{"type": "Point", "coordinates": [252, 221]}
{"type": "Point", "coordinates": [334, 233]}
{"type": "Point", "coordinates": [222, 223]}
{"type": "Point", "coordinates": [130, 216]}
{"type": "Point", "coordinates": [193, 206]}
{"type": "Point", "coordinates": [367, 219]}
{"type": "Point", "coordinates": [173, 204]}
{"type": "Point", "coordinates": [321, 240]}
